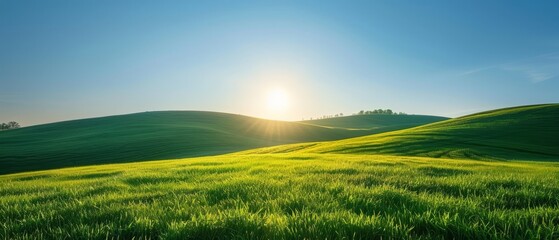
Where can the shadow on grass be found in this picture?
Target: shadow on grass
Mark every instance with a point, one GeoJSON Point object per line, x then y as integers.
{"type": "Point", "coordinates": [442, 172]}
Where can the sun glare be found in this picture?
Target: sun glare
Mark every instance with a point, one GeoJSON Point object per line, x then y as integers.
{"type": "Point", "coordinates": [278, 100]}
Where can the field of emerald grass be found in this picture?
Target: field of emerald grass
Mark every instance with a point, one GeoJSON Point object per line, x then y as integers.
{"type": "Point", "coordinates": [285, 196]}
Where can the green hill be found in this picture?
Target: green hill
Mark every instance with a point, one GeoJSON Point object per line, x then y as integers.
{"type": "Point", "coordinates": [526, 133]}
{"type": "Point", "coordinates": [296, 195]}
{"type": "Point", "coordinates": [151, 136]}
{"type": "Point", "coordinates": [380, 122]}
{"type": "Point", "coordinates": [148, 136]}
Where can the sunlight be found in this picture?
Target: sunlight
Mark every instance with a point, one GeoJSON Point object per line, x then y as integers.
{"type": "Point", "coordinates": [278, 101]}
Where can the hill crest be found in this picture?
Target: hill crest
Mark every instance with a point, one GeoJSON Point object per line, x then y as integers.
{"type": "Point", "coordinates": [153, 136]}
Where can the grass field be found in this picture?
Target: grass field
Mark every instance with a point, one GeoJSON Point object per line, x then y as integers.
{"type": "Point", "coordinates": [289, 196]}
{"type": "Point", "coordinates": [519, 133]}
{"type": "Point", "coordinates": [359, 188]}
{"type": "Point", "coordinates": [162, 135]}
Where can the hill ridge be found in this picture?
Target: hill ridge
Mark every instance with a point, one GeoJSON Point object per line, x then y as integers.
{"type": "Point", "coordinates": [152, 136]}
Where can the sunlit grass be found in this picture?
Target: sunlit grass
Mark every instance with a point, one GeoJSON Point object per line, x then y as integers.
{"type": "Point", "coordinates": [293, 196]}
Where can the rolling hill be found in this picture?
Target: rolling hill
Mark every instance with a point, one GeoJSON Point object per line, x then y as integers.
{"type": "Point", "coordinates": [153, 135]}
{"type": "Point", "coordinates": [329, 190]}
{"type": "Point", "coordinates": [524, 133]}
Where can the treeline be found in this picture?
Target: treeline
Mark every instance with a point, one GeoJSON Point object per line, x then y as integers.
{"type": "Point", "coordinates": [362, 112]}
{"type": "Point", "coordinates": [328, 116]}
{"type": "Point", "coordinates": [380, 111]}
{"type": "Point", "coordinates": [9, 125]}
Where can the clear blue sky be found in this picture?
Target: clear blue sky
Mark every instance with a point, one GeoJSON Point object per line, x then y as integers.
{"type": "Point", "coordinates": [64, 60]}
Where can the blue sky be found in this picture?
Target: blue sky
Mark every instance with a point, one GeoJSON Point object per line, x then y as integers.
{"type": "Point", "coordinates": [64, 60]}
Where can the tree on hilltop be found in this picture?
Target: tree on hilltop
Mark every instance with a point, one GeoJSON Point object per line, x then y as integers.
{"type": "Point", "coordinates": [9, 125]}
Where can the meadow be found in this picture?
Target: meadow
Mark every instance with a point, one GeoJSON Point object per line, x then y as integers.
{"type": "Point", "coordinates": [285, 196]}
{"type": "Point", "coordinates": [491, 175]}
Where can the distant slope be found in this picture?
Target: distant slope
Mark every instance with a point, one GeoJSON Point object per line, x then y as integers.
{"type": "Point", "coordinates": [526, 133]}
{"type": "Point", "coordinates": [148, 136]}
{"type": "Point", "coordinates": [381, 122]}
{"type": "Point", "coordinates": [158, 135]}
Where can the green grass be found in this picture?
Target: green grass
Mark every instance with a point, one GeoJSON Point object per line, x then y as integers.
{"type": "Point", "coordinates": [359, 188]}
{"type": "Point", "coordinates": [522, 133]}
{"type": "Point", "coordinates": [285, 196]}
{"type": "Point", "coordinates": [155, 135]}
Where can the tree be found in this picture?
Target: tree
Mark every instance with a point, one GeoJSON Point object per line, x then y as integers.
{"type": "Point", "coordinates": [9, 125]}
{"type": "Point", "coordinates": [13, 125]}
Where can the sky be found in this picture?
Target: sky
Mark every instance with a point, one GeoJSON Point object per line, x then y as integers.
{"type": "Point", "coordinates": [62, 60]}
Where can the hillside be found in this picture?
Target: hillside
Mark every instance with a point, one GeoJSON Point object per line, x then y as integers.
{"type": "Point", "coordinates": [347, 193]}
{"type": "Point", "coordinates": [150, 136]}
{"type": "Point", "coordinates": [381, 122]}
{"type": "Point", "coordinates": [525, 133]}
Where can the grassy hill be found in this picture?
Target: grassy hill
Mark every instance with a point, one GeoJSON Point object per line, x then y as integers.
{"type": "Point", "coordinates": [379, 122]}
{"type": "Point", "coordinates": [329, 190]}
{"type": "Point", "coordinates": [526, 133]}
{"type": "Point", "coordinates": [148, 136]}
{"type": "Point", "coordinates": [151, 136]}
{"type": "Point", "coordinates": [285, 196]}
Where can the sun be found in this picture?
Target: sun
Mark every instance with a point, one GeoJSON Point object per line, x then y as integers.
{"type": "Point", "coordinates": [278, 100]}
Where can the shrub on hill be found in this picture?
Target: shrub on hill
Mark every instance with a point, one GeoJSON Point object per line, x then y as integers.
{"type": "Point", "coordinates": [9, 125]}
